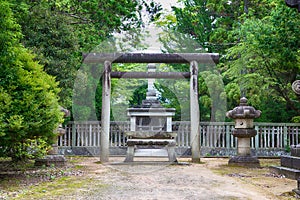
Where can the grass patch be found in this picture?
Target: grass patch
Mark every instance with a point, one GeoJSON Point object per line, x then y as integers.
{"type": "Point", "coordinates": [78, 167]}
{"type": "Point", "coordinates": [226, 169]}
{"type": "Point", "coordinates": [17, 179]}
{"type": "Point", "coordinates": [75, 159]}
{"type": "Point", "coordinates": [5, 159]}
{"type": "Point", "coordinates": [64, 186]}
{"type": "Point", "coordinates": [269, 162]}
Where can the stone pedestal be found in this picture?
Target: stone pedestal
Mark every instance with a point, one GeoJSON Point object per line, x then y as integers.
{"type": "Point", "coordinates": [150, 140]}
{"type": "Point", "coordinates": [244, 157]}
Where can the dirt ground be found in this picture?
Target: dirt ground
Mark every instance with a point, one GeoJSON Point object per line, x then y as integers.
{"type": "Point", "coordinates": [212, 179]}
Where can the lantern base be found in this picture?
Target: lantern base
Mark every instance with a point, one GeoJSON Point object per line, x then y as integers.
{"type": "Point", "coordinates": [244, 161]}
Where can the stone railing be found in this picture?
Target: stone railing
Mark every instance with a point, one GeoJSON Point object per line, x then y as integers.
{"type": "Point", "coordinates": [215, 136]}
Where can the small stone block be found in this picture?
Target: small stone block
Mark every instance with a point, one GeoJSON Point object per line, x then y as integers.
{"type": "Point", "coordinates": [290, 161]}
{"type": "Point", "coordinates": [287, 172]}
{"type": "Point", "coordinates": [244, 161]}
{"type": "Point", "coordinates": [295, 151]}
{"type": "Point", "coordinates": [51, 160]}
{"type": "Point", "coordinates": [129, 154]}
{"type": "Point", "coordinates": [171, 154]}
{"type": "Point", "coordinates": [286, 161]}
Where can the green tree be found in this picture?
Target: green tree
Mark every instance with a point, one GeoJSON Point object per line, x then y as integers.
{"type": "Point", "coordinates": [28, 98]}
{"type": "Point", "coordinates": [195, 20]}
{"type": "Point", "coordinates": [58, 31]}
{"type": "Point", "coordinates": [259, 48]}
{"type": "Point", "coordinates": [266, 61]}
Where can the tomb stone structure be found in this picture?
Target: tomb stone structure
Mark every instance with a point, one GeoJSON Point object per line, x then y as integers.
{"type": "Point", "coordinates": [151, 125]}
{"type": "Point", "coordinates": [290, 164]}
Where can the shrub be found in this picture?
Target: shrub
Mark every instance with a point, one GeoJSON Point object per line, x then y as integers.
{"type": "Point", "coordinates": [29, 109]}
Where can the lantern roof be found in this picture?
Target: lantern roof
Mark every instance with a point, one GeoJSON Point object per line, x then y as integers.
{"type": "Point", "coordinates": [243, 111]}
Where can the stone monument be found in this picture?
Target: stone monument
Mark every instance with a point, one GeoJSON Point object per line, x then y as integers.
{"type": "Point", "coordinates": [243, 116]}
{"type": "Point", "coordinates": [290, 164]}
{"type": "Point", "coordinates": [151, 124]}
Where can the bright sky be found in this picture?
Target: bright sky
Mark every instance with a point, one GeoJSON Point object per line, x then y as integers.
{"type": "Point", "coordinates": [166, 4]}
{"type": "Point", "coordinates": [153, 31]}
{"type": "Point", "coordinates": [152, 41]}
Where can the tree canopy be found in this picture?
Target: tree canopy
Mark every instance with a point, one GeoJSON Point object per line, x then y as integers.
{"type": "Point", "coordinates": [28, 96]}
{"type": "Point", "coordinates": [259, 49]}
{"type": "Point", "coordinates": [59, 31]}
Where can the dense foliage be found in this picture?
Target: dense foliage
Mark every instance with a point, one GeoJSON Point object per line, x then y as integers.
{"type": "Point", "coordinates": [258, 42]}
{"type": "Point", "coordinates": [59, 31]}
{"type": "Point", "coordinates": [28, 96]}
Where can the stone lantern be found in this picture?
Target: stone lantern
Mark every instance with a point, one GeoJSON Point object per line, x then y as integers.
{"type": "Point", "coordinates": [53, 158]}
{"type": "Point", "coordinates": [243, 116]}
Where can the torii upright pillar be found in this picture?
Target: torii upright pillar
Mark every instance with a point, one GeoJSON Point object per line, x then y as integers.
{"type": "Point", "coordinates": [105, 113]}
{"type": "Point", "coordinates": [195, 113]}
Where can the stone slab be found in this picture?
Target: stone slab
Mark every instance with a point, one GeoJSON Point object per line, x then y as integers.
{"type": "Point", "coordinates": [287, 172]}
{"type": "Point", "coordinates": [180, 151]}
{"type": "Point", "coordinates": [295, 151]}
{"type": "Point", "coordinates": [290, 162]}
{"type": "Point", "coordinates": [163, 142]}
{"type": "Point", "coordinates": [244, 161]}
{"type": "Point", "coordinates": [51, 160]}
{"type": "Point", "coordinates": [150, 134]}
{"type": "Point", "coordinates": [151, 153]}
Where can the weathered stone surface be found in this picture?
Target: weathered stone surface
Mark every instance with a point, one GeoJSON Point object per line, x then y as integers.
{"type": "Point", "coordinates": [290, 165]}
{"type": "Point", "coordinates": [243, 111]}
{"type": "Point", "coordinates": [245, 161]}
{"type": "Point", "coordinates": [290, 161]}
{"type": "Point", "coordinates": [244, 133]}
{"type": "Point", "coordinates": [51, 160]}
{"type": "Point", "coordinates": [286, 171]}
{"type": "Point", "coordinates": [295, 150]}
{"type": "Point", "coordinates": [180, 151]}
{"type": "Point", "coordinates": [150, 135]}
{"type": "Point", "coordinates": [150, 142]}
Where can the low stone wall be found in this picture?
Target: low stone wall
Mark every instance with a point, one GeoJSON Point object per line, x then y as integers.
{"type": "Point", "coordinates": [180, 151]}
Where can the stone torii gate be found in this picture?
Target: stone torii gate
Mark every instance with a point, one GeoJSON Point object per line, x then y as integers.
{"type": "Point", "coordinates": [192, 58]}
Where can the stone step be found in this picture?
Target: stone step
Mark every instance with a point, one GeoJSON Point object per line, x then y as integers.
{"type": "Point", "coordinates": [164, 142]}
{"type": "Point", "coordinates": [287, 172]}
{"type": "Point", "coordinates": [290, 162]}
{"type": "Point", "coordinates": [295, 151]}
{"type": "Point", "coordinates": [150, 153]}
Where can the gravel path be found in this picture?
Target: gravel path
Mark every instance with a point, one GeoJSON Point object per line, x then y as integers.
{"type": "Point", "coordinates": [150, 182]}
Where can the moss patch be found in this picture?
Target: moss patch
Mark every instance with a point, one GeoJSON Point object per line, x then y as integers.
{"type": "Point", "coordinates": [65, 186]}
